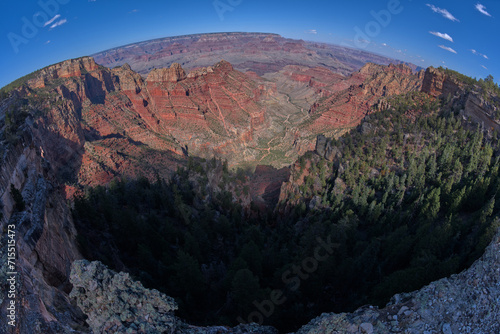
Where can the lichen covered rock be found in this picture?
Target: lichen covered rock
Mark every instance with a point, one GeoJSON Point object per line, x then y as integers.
{"type": "Point", "coordinates": [114, 303]}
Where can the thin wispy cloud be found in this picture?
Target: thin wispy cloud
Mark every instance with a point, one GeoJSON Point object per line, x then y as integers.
{"type": "Point", "coordinates": [445, 13]}
{"type": "Point", "coordinates": [58, 23]}
{"type": "Point", "coordinates": [312, 31]}
{"type": "Point", "coordinates": [52, 20]}
{"type": "Point", "coordinates": [482, 9]}
{"type": "Point", "coordinates": [444, 36]}
{"type": "Point", "coordinates": [484, 67]}
{"type": "Point", "coordinates": [447, 49]}
{"type": "Point", "coordinates": [479, 54]}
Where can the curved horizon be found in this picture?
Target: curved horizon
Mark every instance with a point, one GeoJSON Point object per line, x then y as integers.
{"type": "Point", "coordinates": [448, 34]}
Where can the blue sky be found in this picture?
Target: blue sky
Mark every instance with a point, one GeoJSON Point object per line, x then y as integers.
{"type": "Point", "coordinates": [462, 35]}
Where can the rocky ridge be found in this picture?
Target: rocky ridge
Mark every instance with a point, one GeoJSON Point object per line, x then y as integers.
{"type": "Point", "coordinates": [345, 108]}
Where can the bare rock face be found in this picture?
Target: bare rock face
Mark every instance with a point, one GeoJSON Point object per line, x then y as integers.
{"type": "Point", "coordinates": [437, 83]}
{"type": "Point", "coordinates": [324, 149]}
{"type": "Point", "coordinates": [478, 105]}
{"type": "Point", "coordinates": [65, 69]}
{"type": "Point", "coordinates": [481, 110]}
{"type": "Point", "coordinates": [173, 74]}
{"type": "Point", "coordinates": [114, 303]}
{"type": "Point", "coordinates": [468, 302]}
{"type": "Point", "coordinates": [45, 244]}
{"type": "Point", "coordinates": [352, 98]}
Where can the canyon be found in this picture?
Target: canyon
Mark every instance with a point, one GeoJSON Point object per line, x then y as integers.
{"type": "Point", "coordinates": [110, 122]}
{"type": "Point", "coordinates": [258, 101]}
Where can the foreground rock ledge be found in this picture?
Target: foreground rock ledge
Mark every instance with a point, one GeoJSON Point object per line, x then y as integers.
{"type": "Point", "coordinates": [114, 303]}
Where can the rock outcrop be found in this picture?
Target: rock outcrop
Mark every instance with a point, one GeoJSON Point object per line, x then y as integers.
{"type": "Point", "coordinates": [45, 240]}
{"type": "Point", "coordinates": [436, 83]}
{"type": "Point", "coordinates": [65, 69]}
{"type": "Point", "coordinates": [482, 111]}
{"type": "Point", "coordinates": [475, 103]}
{"type": "Point", "coordinates": [324, 149]}
{"type": "Point", "coordinates": [114, 303]}
{"type": "Point", "coordinates": [354, 97]}
{"type": "Point", "coordinates": [173, 74]}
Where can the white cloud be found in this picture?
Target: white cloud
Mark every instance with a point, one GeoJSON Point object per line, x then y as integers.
{"type": "Point", "coordinates": [312, 31]}
{"type": "Point", "coordinates": [58, 23]}
{"type": "Point", "coordinates": [443, 12]}
{"type": "Point", "coordinates": [482, 9]}
{"type": "Point", "coordinates": [48, 42]}
{"type": "Point", "coordinates": [484, 67]}
{"type": "Point", "coordinates": [479, 54]}
{"type": "Point", "coordinates": [444, 36]}
{"type": "Point", "coordinates": [52, 20]}
{"type": "Point", "coordinates": [447, 48]}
